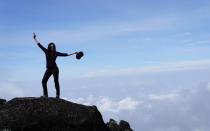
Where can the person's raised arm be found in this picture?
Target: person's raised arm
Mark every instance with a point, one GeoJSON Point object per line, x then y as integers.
{"type": "Point", "coordinates": [65, 54]}
{"type": "Point", "coordinates": [38, 43]}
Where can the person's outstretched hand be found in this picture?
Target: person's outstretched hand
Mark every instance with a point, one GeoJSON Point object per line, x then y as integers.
{"type": "Point", "coordinates": [34, 35]}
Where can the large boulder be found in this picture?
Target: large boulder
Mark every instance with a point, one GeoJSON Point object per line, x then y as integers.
{"type": "Point", "coordinates": [49, 114]}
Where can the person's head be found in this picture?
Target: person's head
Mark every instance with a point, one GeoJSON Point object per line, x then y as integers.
{"type": "Point", "coordinates": [51, 47]}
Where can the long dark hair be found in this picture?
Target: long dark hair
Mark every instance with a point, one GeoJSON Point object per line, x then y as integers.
{"type": "Point", "coordinates": [49, 50]}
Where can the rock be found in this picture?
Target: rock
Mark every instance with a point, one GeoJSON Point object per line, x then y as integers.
{"type": "Point", "coordinates": [2, 101]}
{"type": "Point", "coordinates": [122, 126]}
{"type": "Point", "coordinates": [49, 114]}
{"type": "Point", "coordinates": [113, 126]}
{"type": "Point", "coordinates": [125, 125]}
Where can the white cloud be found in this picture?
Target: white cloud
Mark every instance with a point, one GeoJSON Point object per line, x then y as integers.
{"type": "Point", "coordinates": [175, 109]}
{"type": "Point", "coordinates": [203, 42]}
{"type": "Point", "coordinates": [184, 110]}
{"type": "Point", "coordinates": [200, 42]}
{"type": "Point", "coordinates": [127, 104]}
{"type": "Point", "coordinates": [89, 100]}
{"type": "Point", "coordinates": [160, 67]}
{"type": "Point", "coordinates": [77, 100]}
{"type": "Point", "coordinates": [169, 96]}
{"type": "Point", "coordinates": [106, 104]}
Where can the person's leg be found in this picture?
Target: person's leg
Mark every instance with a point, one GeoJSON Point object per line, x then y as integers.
{"type": "Point", "coordinates": [56, 77]}
{"type": "Point", "coordinates": [47, 75]}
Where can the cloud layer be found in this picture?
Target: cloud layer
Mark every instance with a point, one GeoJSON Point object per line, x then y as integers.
{"type": "Point", "coordinates": [106, 104]}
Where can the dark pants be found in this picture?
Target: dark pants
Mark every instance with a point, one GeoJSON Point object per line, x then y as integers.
{"type": "Point", "coordinates": [48, 73]}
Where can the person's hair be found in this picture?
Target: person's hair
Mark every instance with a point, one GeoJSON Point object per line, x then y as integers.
{"type": "Point", "coordinates": [49, 50]}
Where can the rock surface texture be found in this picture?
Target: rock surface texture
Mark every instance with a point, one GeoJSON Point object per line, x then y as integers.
{"type": "Point", "coordinates": [49, 114]}
{"type": "Point", "coordinates": [52, 114]}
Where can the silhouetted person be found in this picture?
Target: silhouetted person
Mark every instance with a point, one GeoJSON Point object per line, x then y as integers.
{"type": "Point", "coordinates": [52, 69]}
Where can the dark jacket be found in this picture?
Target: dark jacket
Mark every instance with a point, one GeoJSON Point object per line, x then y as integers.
{"type": "Point", "coordinates": [51, 57]}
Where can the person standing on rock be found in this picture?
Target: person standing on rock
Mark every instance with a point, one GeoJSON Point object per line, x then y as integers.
{"type": "Point", "coordinates": [52, 68]}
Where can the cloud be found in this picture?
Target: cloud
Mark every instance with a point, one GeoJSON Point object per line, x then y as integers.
{"type": "Point", "coordinates": [94, 31]}
{"type": "Point", "coordinates": [77, 100]}
{"type": "Point", "coordinates": [106, 104]}
{"type": "Point", "coordinates": [127, 104]}
{"type": "Point", "coordinates": [177, 100]}
{"type": "Point", "coordinates": [109, 28]}
{"type": "Point", "coordinates": [199, 42]}
{"type": "Point", "coordinates": [159, 67]}
{"type": "Point", "coordinates": [97, 30]}
{"type": "Point", "coordinates": [163, 96]}
{"type": "Point", "coordinates": [203, 42]}
{"type": "Point", "coordinates": [187, 109]}
{"type": "Point", "coordinates": [181, 107]}
{"type": "Point", "coordinates": [9, 90]}
{"type": "Point", "coordinates": [171, 101]}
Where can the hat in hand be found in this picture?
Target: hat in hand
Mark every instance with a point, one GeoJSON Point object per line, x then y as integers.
{"type": "Point", "coordinates": [79, 55]}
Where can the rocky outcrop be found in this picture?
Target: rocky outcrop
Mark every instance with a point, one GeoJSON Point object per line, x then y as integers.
{"type": "Point", "coordinates": [52, 114]}
{"type": "Point", "coordinates": [122, 126]}
{"type": "Point", "coordinates": [49, 114]}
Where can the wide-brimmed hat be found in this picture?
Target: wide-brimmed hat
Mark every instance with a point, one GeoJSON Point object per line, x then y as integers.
{"type": "Point", "coordinates": [79, 55]}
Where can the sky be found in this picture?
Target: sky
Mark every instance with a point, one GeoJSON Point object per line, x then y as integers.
{"type": "Point", "coordinates": [146, 62]}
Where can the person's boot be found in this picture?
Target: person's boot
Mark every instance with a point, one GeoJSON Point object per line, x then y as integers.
{"type": "Point", "coordinates": [44, 96]}
{"type": "Point", "coordinates": [57, 96]}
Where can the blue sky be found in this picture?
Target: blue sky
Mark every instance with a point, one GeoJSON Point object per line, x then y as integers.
{"type": "Point", "coordinates": [142, 59]}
